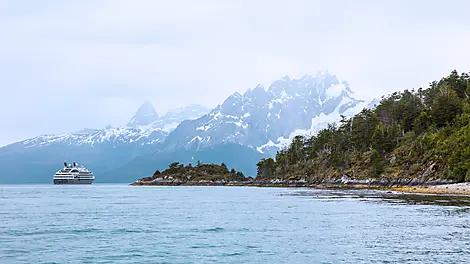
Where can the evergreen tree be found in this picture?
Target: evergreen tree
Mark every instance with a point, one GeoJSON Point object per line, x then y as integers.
{"type": "Point", "coordinates": [265, 168]}
{"type": "Point", "coordinates": [446, 106]}
{"type": "Point", "coordinates": [174, 165]}
{"type": "Point", "coordinates": [422, 122]}
{"type": "Point", "coordinates": [224, 167]}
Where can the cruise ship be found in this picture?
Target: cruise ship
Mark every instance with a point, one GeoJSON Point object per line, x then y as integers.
{"type": "Point", "coordinates": [73, 174]}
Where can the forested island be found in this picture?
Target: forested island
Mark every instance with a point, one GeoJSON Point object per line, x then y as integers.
{"type": "Point", "coordinates": [414, 137]}
{"type": "Point", "coordinates": [200, 174]}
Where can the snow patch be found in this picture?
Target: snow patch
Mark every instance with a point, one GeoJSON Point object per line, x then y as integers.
{"type": "Point", "coordinates": [195, 138]}
{"type": "Point", "coordinates": [170, 127]}
{"type": "Point", "coordinates": [241, 124]}
{"type": "Point", "coordinates": [334, 90]}
{"type": "Point", "coordinates": [217, 116]}
{"type": "Point", "coordinates": [267, 145]}
{"type": "Point", "coordinates": [204, 127]}
{"type": "Point", "coordinates": [285, 141]}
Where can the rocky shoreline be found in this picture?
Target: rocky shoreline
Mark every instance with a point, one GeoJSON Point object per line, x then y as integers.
{"type": "Point", "coordinates": [399, 185]}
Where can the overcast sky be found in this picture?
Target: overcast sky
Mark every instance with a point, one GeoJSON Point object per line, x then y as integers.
{"type": "Point", "coordinates": [65, 65]}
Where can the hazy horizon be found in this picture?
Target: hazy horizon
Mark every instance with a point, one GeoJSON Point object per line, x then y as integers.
{"type": "Point", "coordinates": [69, 65]}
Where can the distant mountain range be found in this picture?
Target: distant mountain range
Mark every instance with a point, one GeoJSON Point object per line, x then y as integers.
{"type": "Point", "coordinates": [244, 128]}
{"type": "Point", "coordinates": [146, 127]}
{"type": "Point", "coordinates": [101, 150]}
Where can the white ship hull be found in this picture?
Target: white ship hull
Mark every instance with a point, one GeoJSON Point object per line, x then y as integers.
{"type": "Point", "coordinates": [73, 181]}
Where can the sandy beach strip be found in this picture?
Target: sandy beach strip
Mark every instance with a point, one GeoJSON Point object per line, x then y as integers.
{"type": "Point", "coordinates": [454, 188]}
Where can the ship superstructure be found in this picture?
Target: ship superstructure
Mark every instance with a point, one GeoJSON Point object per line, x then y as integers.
{"type": "Point", "coordinates": [73, 174]}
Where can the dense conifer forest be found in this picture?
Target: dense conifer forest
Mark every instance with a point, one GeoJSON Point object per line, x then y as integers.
{"type": "Point", "coordinates": [423, 133]}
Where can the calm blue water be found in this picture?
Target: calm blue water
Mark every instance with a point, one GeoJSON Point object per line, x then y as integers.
{"type": "Point", "coordinates": [123, 224]}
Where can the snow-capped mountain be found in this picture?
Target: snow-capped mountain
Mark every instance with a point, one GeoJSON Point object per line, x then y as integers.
{"type": "Point", "coordinates": [267, 118]}
{"type": "Point", "coordinates": [144, 116]}
{"type": "Point", "coordinates": [238, 132]}
{"type": "Point", "coordinates": [145, 127]}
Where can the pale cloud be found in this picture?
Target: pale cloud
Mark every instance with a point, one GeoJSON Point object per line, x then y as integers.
{"type": "Point", "coordinates": [94, 62]}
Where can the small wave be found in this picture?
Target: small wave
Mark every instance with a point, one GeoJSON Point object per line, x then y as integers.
{"type": "Point", "coordinates": [251, 247]}
{"type": "Point", "coordinates": [203, 246]}
{"type": "Point", "coordinates": [208, 230]}
{"type": "Point", "coordinates": [15, 251]}
{"type": "Point", "coordinates": [52, 232]}
{"type": "Point", "coordinates": [125, 230]}
{"type": "Point", "coordinates": [85, 230]}
{"type": "Point", "coordinates": [216, 229]}
{"type": "Point", "coordinates": [232, 254]}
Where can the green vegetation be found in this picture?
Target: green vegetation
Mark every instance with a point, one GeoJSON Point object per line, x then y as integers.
{"type": "Point", "coordinates": [179, 173]}
{"type": "Point", "coordinates": [421, 134]}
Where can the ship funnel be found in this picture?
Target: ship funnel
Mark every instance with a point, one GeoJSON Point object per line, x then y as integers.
{"type": "Point", "coordinates": [65, 164]}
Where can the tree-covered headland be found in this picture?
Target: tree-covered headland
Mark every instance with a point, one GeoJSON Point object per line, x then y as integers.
{"type": "Point", "coordinates": [415, 134]}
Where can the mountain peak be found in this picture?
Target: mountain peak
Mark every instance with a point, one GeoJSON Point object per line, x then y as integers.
{"type": "Point", "coordinates": [145, 115]}
{"type": "Point", "coordinates": [236, 95]}
{"type": "Point", "coordinates": [323, 72]}
{"type": "Point", "coordinates": [305, 77]}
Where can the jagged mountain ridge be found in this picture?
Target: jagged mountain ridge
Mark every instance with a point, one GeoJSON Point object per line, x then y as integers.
{"type": "Point", "coordinates": [267, 118]}
{"type": "Point", "coordinates": [145, 127]}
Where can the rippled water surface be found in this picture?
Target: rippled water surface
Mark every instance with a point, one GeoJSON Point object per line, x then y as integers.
{"type": "Point", "coordinates": [123, 224]}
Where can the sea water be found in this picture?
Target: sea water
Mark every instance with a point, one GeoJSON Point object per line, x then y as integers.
{"type": "Point", "coordinates": [105, 223]}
